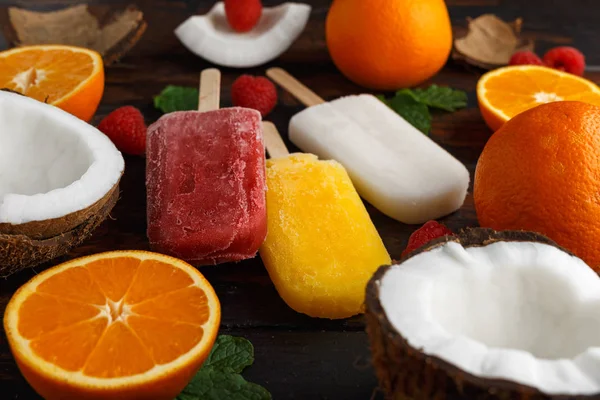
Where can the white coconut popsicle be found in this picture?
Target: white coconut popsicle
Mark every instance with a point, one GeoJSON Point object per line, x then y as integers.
{"type": "Point", "coordinates": [394, 166]}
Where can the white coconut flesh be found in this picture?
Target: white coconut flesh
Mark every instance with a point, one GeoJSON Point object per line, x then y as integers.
{"type": "Point", "coordinates": [51, 163]}
{"type": "Point", "coordinates": [525, 312]}
{"type": "Point", "coordinates": [210, 36]}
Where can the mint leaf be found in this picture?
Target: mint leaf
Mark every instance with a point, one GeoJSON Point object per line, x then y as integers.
{"type": "Point", "coordinates": [413, 104]}
{"type": "Point", "coordinates": [415, 113]}
{"type": "Point", "coordinates": [230, 354]}
{"type": "Point", "coordinates": [177, 98]}
{"type": "Point", "coordinates": [434, 96]}
{"type": "Point", "coordinates": [219, 377]}
{"type": "Point", "coordinates": [211, 384]}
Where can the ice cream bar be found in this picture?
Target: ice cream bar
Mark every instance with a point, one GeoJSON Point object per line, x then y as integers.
{"type": "Point", "coordinates": [321, 247]}
{"type": "Point", "coordinates": [205, 181]}
{"type": "Point", "coordinates": [394, 166]}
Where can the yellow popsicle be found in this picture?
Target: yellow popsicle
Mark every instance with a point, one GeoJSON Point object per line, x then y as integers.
{"type": "Point", "coordinates": [321, 246]}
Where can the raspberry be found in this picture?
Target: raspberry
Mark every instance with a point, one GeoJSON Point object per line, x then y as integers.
{"type": "Point", "coordinates": [567, 59]}
{"type": "Point", "coordinates": [126, 128]}
{"type": "Point", "coordinates": [525, 58]}
{"type": "Point", "coordinates": [243, 15]}
{"type": "Point", "coordinates": [425, 234]}
{"type": "Point", "coordinates": [258, 93]}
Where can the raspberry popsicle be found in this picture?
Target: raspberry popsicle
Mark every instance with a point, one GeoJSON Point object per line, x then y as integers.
{"type": "Point", "coordinates": [321, 246]}
{"type": "Point", "coordinates": [395, 167]}
{"type": "Point", "coordinates": [205, 180]}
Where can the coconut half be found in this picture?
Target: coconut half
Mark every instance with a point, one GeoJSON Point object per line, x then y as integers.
{"type": "Point", "coordinates": [59, 179]}
{"type": "Point", "coordinates": [486, 314]}
{"type": "Point", "coordinates": [210, 36]}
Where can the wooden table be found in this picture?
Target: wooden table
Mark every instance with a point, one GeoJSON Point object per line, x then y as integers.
{"type": "Point", "coordinates": [296, 357]}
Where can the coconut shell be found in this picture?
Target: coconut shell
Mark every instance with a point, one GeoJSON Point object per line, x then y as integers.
{"type": "Point", "coordinates": [111, 31]}
{"type": "Point", "coordinates": [405, 372]}
{"type": "Point", "coordinates": [18, 252]}
{"type": "Point", "coordinates": [51, 228]}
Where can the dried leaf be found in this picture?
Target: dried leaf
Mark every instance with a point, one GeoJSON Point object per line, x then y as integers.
{"type": "Point", "coordinates": [112, 33]}
{"type": "Point", "coordinates": [490, 42]}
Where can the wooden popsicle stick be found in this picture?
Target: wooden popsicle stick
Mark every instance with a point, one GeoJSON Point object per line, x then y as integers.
{"type": "Point", "coordinates": [273, 141]}
{"type": "Point", "coordinates": [210, 90]}
{"type": "Point", "coordinates": [294, 87]}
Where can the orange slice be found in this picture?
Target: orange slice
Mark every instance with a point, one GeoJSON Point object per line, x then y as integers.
{"type": "Point", "coordinates": [508, 91]}
{"type": "Point", "coordinates": [71, 78]}
{"type": "Point", "coordinates": [123, 324]}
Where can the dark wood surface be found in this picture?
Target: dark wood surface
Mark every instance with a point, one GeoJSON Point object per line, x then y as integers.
{"type": "Point", "coordinates": [296, 357]}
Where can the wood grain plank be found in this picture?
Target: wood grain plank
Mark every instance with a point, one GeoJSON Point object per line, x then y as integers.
{"type": "Point", "coordinates": [327, 366]}
{"type": "Point", "coordinates": [297, 357]}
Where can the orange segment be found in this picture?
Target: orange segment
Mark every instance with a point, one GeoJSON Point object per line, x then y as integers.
{"type": "Point", "coordinates": [114, 275]}
{"type": "Point", "coordinates": [70, 347]}
{"type": "Point", "coordinates": [74, 284]}
{"type": "Point", "coordinates": [44, 314]}
{"type": "Point", "coordinates": [166, 307]}
{"type": "Point", "coordinates": [71, 78]}
{"type": "Point", "coordinates": [156, 278]}
{"type": "Point", "coordinates": [119, 324]}
{"type": "Point", "coordinates": [506, 92]}
{"type": "Point", "coordinates": [159, 342]}
{"type": "Point", "coordinates": [119, 353]}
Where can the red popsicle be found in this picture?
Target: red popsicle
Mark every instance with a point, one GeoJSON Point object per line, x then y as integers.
{"type": "Point", "coordinates": [205, 181]}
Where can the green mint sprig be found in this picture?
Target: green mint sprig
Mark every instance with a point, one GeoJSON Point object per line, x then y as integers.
{"type": "Point", "coordinates": [414, 104]}
{"type": "Point", "coordinates": [177, 98]}
{"type": "Point", "coordinates": [220, 379]}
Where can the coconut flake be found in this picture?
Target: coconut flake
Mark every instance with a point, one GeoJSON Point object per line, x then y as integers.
{"type": "Point", "coordinates": [52, 163]}
{"type": "Point", "coordinates": [210, 36]}
{"type": "Point", "coordinates": [525, 312]}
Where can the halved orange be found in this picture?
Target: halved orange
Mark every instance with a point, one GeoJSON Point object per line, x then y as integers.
{"type": "Point", "coordinates": [116, 325]}
{"type": "Point", "coordinates": [71, 78]}
{"type": "Point", "coordinates": [508, 91]}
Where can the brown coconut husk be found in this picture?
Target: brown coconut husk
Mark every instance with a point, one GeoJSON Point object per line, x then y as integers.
{"type": "Point", "coordinates": [19, 251]}
{"type": "Point", "coordinates": [50, 228]}
{"type": "Point", "coordinates": [111, 32]}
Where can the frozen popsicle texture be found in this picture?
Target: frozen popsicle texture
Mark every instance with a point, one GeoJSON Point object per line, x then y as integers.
{"type": "Point", "coordinates": [205, 181]}
{"type": "Point", "coordinates": [321, 246]}
{"type": "Point", "coordinates": [394, 166]}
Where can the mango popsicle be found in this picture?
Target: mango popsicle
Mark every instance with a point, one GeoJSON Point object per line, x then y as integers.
{"type": "Point", "coordinates": [321, 246]}
{"type": "Point", "coordinates": [395, 167]}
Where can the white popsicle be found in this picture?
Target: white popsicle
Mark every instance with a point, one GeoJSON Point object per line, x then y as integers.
{"type": "Point", "coordinates": [394, 166]}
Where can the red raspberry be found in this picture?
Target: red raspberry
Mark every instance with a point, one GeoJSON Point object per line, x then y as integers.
{"type": "Point", "coordinates": [258, 93]}
{"type": "Point", "coordinates": [243, 15]}
{"type": "Point", "coordinates": [525, 58]}
{"type": "Point", "coordinates": [425, 234]}
{"type": "Point", "coordinates": [126, 128]}
{"type": "Point", "coordinates": [567, 59]}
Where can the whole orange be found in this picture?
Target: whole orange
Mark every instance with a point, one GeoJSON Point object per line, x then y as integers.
{"type": "Point", "coordinates": [541, 172]}
{"type": "Point", "coordinates": [389, 44]}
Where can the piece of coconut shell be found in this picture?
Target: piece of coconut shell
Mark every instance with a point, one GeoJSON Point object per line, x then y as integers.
{"type": "Point", "coordinates": [109, 31]}
{"type": "Point", "coordinates": [18, 252]}
{"type": "Point", "coordinates": [405, 372]}
{"type": "Point", "coordinates": [490, 42]}
{"type": "Point", "coordinates": [50, 228]}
